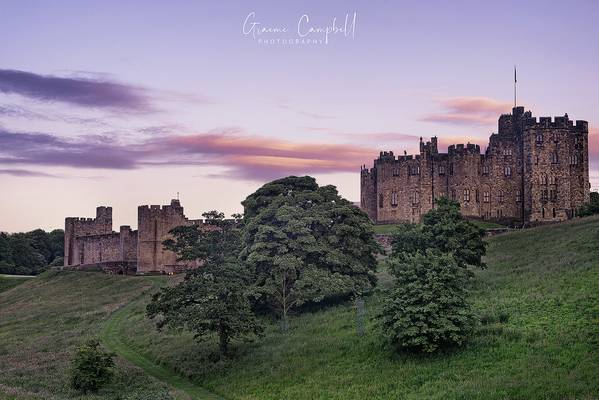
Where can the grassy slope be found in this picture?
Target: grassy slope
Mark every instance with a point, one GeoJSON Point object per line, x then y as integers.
{"type": "Point", "coordinates": [545, 281]}
{"type": "Point", "coordinates": [111, 336]}
{"type": "Point", "coordinates": [44, 319]}
{"type": "Point", "coordinates": [10, 282]}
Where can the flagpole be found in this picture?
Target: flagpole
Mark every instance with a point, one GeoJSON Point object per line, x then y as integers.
{"type": "Point", "coordinates": [515, 80]}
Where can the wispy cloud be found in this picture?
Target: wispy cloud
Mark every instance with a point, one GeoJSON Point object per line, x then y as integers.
{"type": "Point", "coordinates": [85, 92]}
{"type": "Point", "coordinates": [26, 173]}
{"type": "Point", "coordinates": [47, 149]}
{"type": "Point", "coordinates": [242, 156]}
{"type": "Point", "coordinates": [468, 111]}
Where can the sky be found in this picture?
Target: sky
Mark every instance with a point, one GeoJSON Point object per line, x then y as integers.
{"type": "Point", "coordinates": [127, 103]}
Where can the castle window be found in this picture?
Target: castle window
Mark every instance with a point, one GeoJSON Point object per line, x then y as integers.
{"type": "Point", "coordinates": [575, 140]}
{"type": "Point", "coordinates": [394, 199]}
{"type": "Point", "coordinates": [501, 196]}
{"type": "Point", "coordinates": [441, 169]}
{"type": "Point", "coordinates": [381, 200]}
{"type": "Point", "coordinates": [396, 171]}
{"type": "Point", "coordinates": [415, 198]}
{"type": "Point", "coordinates": [536, 160]}
{"type": "Point", "coordinates": [507, 171]}
{"type": "Point", "coordinates": [486, 197]}
{"type": "Point", "coordinates": [553, 195]}
{"type": "Point", "coordinates": [554, 159]}
{"type": "Point", "coordinates": [466, 194]}
{"type": "Point", "coordinates": [574, 159]}
{"type": "Point", "coordinates": [539, 138]}
{"type": "Point", "coordinates": [485, 170]}
{"type": "Point", "coordinates": [518, 197]}
{"type": "Point", "coordinates": [507, 152]}
{"type": "Point", "coordinates": [476, 195]}
{"type": "Point", "coordinates": [552, 180]}
{"type": "Point", "coordinates": [554, 213]}
{"type": "Point", "coordinates": [555, 137]}
{"type": "Point", "coordinates": [544, 195]}
{"type": "Point", "coordinates": [453, 194]}
{"type": "Point", "coordinates": [543, 179]}
{"type": "Point", "coordinates": [451, 169]}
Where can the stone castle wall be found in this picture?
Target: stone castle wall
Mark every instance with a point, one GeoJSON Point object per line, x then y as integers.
{"type": "Point", "coordinates": [532, 171]}
{"type": "Point", "coordinates": [90, 243]}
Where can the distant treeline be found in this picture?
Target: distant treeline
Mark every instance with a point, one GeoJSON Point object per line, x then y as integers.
{"type": "Point", "coordinates": [32, 252]}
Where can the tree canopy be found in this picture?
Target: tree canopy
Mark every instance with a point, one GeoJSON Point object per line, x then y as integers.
{"type": "Point", "coordinates": [305, 243]}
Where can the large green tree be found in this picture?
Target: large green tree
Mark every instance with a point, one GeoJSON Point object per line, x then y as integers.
{"type": "Point", "coordinates": [306, 243]}
{"type": "Point", "coordinates": [445, 230]}
{"type": "Point", "coordinates": [214, 297]}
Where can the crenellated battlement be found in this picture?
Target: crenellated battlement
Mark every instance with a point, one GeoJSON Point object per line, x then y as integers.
{"type": "Point", "coordinates": [459, 149]}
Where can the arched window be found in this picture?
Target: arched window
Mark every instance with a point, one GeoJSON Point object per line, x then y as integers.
{"type": "Point", "coordinates": [466, 194]}
{"type": "Point", "coordinates": [554, 158]}
{"type": "Point", "coordinates": [543, 179]}
{"type": "Point", "coordinates": [486, 197]}
{"type": "Point", "coordinates": [415, 198]}
{"type": "Point", "coordinates": [485, 170]}
{"type": "Point", "coordinates": [518, 196]}
{"type": "Point", "coordinates": [394, 199]}
{"type": "Point", "coordinates": [500, 196]}
{"type": "Point", "coordinates": [507, 171]}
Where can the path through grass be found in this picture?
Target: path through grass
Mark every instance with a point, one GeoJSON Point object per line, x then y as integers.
{"type": "Point", "coordinates": [111, 336]}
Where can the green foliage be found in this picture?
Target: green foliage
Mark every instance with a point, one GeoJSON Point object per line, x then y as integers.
{"type": "Point", "coordinates": [427, 308]}
{"type": "Point", "coordinates": [30, 253]}
{"type": "Point", "coordinates": [92, 368]}
{"type": "Point", "coordinates": [214, 297]}
{"type": "Point", "coordinates": [445, 230]}
{"type": "Point", "coordinates": [306, 243]}
{"type": "Point", "coordinates": [592, 207]}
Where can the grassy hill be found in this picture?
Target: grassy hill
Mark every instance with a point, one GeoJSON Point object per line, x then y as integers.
{"type": "Point", "coordinates": [539, 338]}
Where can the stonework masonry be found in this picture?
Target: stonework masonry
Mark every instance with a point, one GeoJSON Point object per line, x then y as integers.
{"type": "Point", "coordinates": [533, 171]}
{"type": "Point", "coordinates": [90, 243]}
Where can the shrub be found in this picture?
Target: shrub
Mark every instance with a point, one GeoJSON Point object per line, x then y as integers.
{"type": "Point", "coordinates": [427, 309]}
{"type": "Point", "coordinates": [92, 368]}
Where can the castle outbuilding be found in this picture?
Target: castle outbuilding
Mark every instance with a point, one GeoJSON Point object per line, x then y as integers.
{"type": "Point", "coordinates": [532, 171]}
{"type": "Point", "coordinates": [90, 243]}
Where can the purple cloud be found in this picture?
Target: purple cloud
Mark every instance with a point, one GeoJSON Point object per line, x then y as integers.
{"type": "Point", "coordinates": [45, 149]}
{"type": "Point", "coordinates": [85, 92]}
{"type": "Point", "coordinates": [26, 173]}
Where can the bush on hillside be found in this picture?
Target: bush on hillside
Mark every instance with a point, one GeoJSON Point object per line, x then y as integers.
{"type": "Point", "coordinates": [427, 308]}
{"type": "Point", "coordinates": [92, 368]}
{"type": "Point", "coordinates": [592, 207]}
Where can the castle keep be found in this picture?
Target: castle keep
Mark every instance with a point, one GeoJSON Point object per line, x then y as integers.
{"type": "Point", "coordinates": [90, 243]}
{"type": "Point", "coordinates": [532, 171]}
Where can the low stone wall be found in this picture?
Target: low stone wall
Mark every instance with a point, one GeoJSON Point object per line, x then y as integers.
{"type": "Point", "coordinates": [109, 267]}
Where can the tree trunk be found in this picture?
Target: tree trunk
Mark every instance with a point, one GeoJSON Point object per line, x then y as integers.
{"type": "Point", "coordinates": [223, 343]}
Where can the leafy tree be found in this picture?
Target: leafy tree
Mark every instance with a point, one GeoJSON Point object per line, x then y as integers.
{"type": "Point", "coordinates": [592, 207]}
{"type": "Point", "coordinates": [306, 243]}
{"type": "Point", "coordinates": [427, 307]}
{"type": "Point", "coordinates": [214, 297]}
{"type": "Point", "coordinates": [92, 368]}
{"type": "Point", "coordinates": [445, 230]}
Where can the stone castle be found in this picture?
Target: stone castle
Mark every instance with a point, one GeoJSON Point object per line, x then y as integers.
{"type": "Point", "coordinates": [90, 243]}
{"type": "Point", "coordinates": [533, 171]}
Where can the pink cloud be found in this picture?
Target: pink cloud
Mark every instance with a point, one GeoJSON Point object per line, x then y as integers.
{"type": "Point", "coordinates": [469, 111]}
